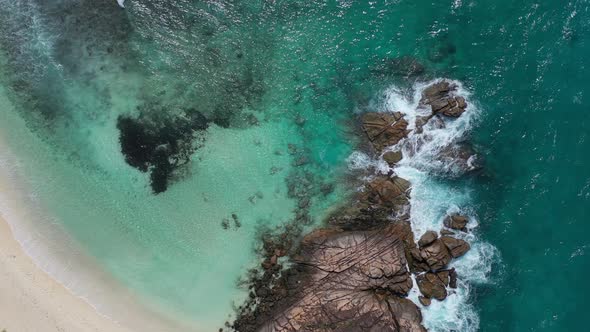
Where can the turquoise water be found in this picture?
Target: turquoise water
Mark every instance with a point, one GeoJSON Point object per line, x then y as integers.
{"type": "Point", "coordinates": [271, 74]}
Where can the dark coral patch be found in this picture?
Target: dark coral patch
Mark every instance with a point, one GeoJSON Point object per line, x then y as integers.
{"type": "Point", "coordinates": [159, 143]}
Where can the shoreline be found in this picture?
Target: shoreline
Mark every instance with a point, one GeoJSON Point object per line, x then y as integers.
{"type": "Point", "coordinates": [33, 301]}
{"type": "Point", "coordinates": [49, 284]}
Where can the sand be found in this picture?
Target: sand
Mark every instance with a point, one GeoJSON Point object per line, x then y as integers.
{"type": "Point", "coordinates": [30, 300]}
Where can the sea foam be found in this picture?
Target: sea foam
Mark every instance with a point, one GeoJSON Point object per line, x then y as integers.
{"type": "Point", "coordinates": [434, 195]}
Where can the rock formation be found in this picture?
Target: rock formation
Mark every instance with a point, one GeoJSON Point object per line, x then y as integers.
{"type": "Point", "coordinates": [438, 96]}
{"type": "Point", "coordinates": [384, 129]}
{"type": "Point", "coordinates": [355, 274]}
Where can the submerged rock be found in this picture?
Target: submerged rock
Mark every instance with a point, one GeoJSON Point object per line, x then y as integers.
{"type": "Point", "coordinates": [160, 143]}
{"type": "Point", "coordinates": [404, 66]}
{"type": "Point", "coordinates": [459, 158]}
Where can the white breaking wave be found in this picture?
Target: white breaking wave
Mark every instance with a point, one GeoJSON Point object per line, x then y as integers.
{"type": "Point", "coordinates": [433, 197]}
{"type": "Point", "coordinates": [121, 3]}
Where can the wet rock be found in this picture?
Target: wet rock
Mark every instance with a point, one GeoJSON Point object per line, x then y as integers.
{"type": "Point", "coordinates": [427, 238]}
{"type": "Point", "coordinates": [431, 286]}
{"type": "Point", "coordinates": [349, 279]}
{"type": "Point", "coordinates": [436, 255]}
{"type": "Point", "coordinates": [424, 300]}
{"type": "Point", "coordinates": [446, 232]}
{"type": "Point", "coordinates": [384, 129]}
{"type": "Point", "coordinates": [456, 247]}
{"type": "Point", "coordinates": [381, 198]}
{"type": "Point", "coordinates": [457, 222]}
{"type": "Point", "coordinates": [392, 157]}
{"type": "Point", "coordinates": [444, 276]}
{"type": "Point", "coordinates": [453, 278]}
{"type": "Point", "coordinates": [441, 100]}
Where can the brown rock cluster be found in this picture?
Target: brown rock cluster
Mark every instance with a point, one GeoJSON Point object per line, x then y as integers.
{"type": "Point", "coordinates": [355, 274]}
{"type": "Point", "coordinates": [384, 129]}
{"type": "Point", "coordinates": [439, 97]}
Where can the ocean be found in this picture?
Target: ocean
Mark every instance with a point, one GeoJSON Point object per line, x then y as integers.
{"type": "Point", "coordinates": [255, 104]}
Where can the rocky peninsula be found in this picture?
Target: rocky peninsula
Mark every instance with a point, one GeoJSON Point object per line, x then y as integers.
{"type": "Point", "coordinates": [356, 272]}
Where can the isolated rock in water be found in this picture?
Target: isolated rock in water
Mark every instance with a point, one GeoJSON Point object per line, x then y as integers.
{"type": "Point", "coordinates": [439, 97]}
{"type": "Point", "coordinates": [457, 247]}
{"type": "Point", "coordinates": [392, 157]}
{"type": "Point", "coordinates": [384, 129]}
{"type": "Point", "coordinates": [427, 238]}
{"type": "Point", "coordinates": [431, 286]}
{"type": "Point", "coordinates": [436, 255]}
{"type": "Point", "coordinates": [457, 222]}
{"type": "Point", "coordinates": [349, 280]}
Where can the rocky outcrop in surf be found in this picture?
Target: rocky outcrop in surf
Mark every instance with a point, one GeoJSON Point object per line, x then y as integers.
{"type": "Point", "coordinates": [355, 274]}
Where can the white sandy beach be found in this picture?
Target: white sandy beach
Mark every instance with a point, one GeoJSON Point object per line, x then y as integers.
{"type": "Point", "coordinates": [32, 301]}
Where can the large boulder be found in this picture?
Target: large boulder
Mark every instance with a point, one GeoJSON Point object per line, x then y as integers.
{"type": "Point", "coordinates": [349, 280]}
{"type": "Point", "coordinates": [432, 286]}
{"type": "Point", "coordinates": [456, 221]}
{"type": "Point", "coordinates": [404, 66]}
{"type": "Point", "coordinates": [439, 96]}
{"type": "Point", "coordinates": [436, 255]}
{"type": "Point", "coordinates": [384, 129]}
{"type": "Point", "coordinates": [457, 247]}
{"type": "Point", "coordinates": [427, 238]}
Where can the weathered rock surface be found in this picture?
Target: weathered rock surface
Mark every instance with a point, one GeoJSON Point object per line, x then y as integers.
{"type": "Point", "coordinates": [424, 300]}
{"type": "Point", "coordinates": [436, 255]}
{"type": "Point", "coordinates": [456, 247]}
{"type": "Point", "coordinates": [392, 157]}
{"type": "Point", "coordinates": [381, 199]}
{"type": "Point", "coordinates": [439, 97]}
{"type": "Point", "coordinates": [432, 286]}
{"type": "Point", "coordinates": [353, 281]}
{"type": "Point", "coordinates": [427, 238]}
{"type": "Point", "coordinates": [457, 222]}
{"type": "Point", "coordinates": [384, 129]}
